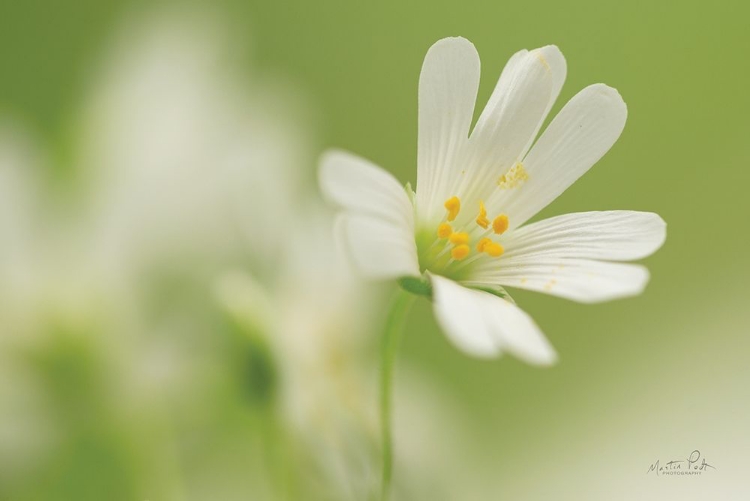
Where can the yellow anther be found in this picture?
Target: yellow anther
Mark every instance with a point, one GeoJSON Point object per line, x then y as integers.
{"type": "Point", "coordinates": [444, 230]}
{"type": "Point", "coordinates": [460, 252]}
{"type": "Point", "coordinates": [500, 224]}
{"type": "Point", "coordinates": [514, 178]}
{"type": "Point", "coordinates": [494, 250]}
{"type": "Point", "coordinates": [453, 205]}
{"type": "Point", "coordinates": [482, 217]}
{"type": "Point", "coordinates": [459, 238]}
{"type": "Point", "coordinates": [483, 244]}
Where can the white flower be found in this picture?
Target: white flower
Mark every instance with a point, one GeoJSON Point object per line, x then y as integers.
{"type": "Point", "coordinates": [463, 228]}
{"type": "Point", "coordinates": [178, 161]}
{"type": "Point", "coordinates": [307, 315]}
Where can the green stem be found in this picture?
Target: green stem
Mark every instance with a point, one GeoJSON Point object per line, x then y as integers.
{"type": "Point", "coordinates": [391, 340]}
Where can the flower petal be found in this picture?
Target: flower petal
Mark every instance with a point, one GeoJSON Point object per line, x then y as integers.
{"type": "Point", "coordinates": [484, 325]}
{"type": "Point", "coordinates": [583, 280]}
{"type": "Point", "coordinates": [611, 235]}
{"type": "Point", "coordinates": [583, 131]}
{"type": "Point", "coordinates": [554, 58]}
{"type": "Point", "coordinates": [508, 124]}
{"type": "Point", "coordinates": [378, 248]}
{"type": "Point", "coordinates": [448, 87]}
{"type": "Point", "coordinates": [364, 188]}
{"type": "Point", "coordinates": [530, 78]}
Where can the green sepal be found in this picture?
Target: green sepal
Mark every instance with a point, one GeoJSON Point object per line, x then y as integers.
{"type": "Point", "coordinates": [410, 193]}
{"type": "Point", "coordinates": [496, 291]}
{"type": "Point", "coordinates": [419, 286]}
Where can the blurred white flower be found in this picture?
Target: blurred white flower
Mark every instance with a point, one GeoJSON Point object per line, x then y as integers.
{"type": "Point", "coordinates": [317, 321]}
{"type": "Point", "coordinates": [175, 161]}
{"type": "Point", "coordinates": [187, 153]}
{"type": "Point", "coordinates": [175, 164]}
{"type": "Point", "coordinates": [463, 227]}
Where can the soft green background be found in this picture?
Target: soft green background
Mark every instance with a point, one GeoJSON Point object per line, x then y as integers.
{"type": "Point", "coordinates": [672, 355]}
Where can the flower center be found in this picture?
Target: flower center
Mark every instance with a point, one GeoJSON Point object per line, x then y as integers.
{"type": "Point", "coordinates": [455, 248]}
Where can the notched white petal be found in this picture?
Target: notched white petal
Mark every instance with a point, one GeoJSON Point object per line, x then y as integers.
{"type": "Point", "coordinates": [378, 248]}
{"type": "Point", "coordinates": [459, 311]}
{"type": "Point", "coordinates": [618, 235]}
{"type": "Point", "coordinates": [361, 187]}
{"type": "Point", "coordinates": [509, 122]}
{"type": "Point", "coordinates": [554, 59]}
{"type": "Point", "coordinates": [519, 334]}
{"type": "Point", "coordinates": [448, 87]}
{"type": "Point", "coordinates": [583, 131]}
{"type": "Point", "coordinates": [484, 325]}
{"type": "Point", "coordinates": [582, 280]}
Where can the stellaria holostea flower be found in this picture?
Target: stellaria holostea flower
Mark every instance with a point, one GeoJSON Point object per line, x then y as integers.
{"type": "Point", "coordinates": [463, 229]}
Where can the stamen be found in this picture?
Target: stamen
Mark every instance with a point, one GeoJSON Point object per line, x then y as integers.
{"type": "Point", "coordinates": [483, 244]}
{"type": "Point", "coordinates": [452, 205]}
{"type": "Point", "coordinates": [482, 217]}
{"type": "Point", "coordinates": [460, 252]}
{"type": "Point", "coordinates": [459, 238]}
{"type": "Point", "coordinates": [500, 224]}
{"type": "Point", "coordinates": [514, 178]}
{"type": "Point", "coordinates": [494, 249]}
{"type": "Point", "coordinates": [444, 230]}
